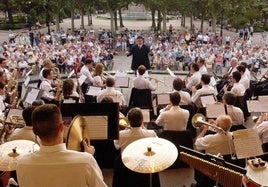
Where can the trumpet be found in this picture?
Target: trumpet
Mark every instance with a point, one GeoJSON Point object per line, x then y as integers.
{"type": "Point", "coordinates": [198, 119]}
{"type": "Point", "coordinates": [157, 80]}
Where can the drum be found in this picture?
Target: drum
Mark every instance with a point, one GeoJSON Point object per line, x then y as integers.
{"type": "Point", "coordinates": [257, 176]}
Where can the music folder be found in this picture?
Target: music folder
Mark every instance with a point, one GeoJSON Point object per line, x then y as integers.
{"type": "Point", "coordinates": [207, 99]}
{"type": "Point", "coordinates": [93, 90]}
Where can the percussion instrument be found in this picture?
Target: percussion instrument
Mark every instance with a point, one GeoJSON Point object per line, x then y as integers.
{"type": "Point", "coordinates": [12, 151]}
{"type": "Point", "coordinates": [258, 174]}
{"type": "Point", "coordinates": [149, 155]}
{"type": "Point", "coordinates": [77, 132]}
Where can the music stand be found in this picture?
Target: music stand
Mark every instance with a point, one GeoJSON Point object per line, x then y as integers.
{"type": "Point", "coordinates": [162, 99]}
{"type": "Point", "coordinates": [32, 94]}
{"type": "Point", "coordinates": [214, 110]}
{"type": "Point", "coordinates": [121, 82]}
{"type": "Point", "coordinates": [93, 90]}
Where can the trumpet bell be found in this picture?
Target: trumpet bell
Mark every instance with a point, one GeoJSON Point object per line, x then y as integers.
{"type": "Point", "coordinates": [197, 118]}
{"type": "Point", "coordinates": [123, 123]}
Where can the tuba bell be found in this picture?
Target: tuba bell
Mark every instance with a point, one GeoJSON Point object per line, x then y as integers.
{"type": "Point", "coordinates": [199, 119]}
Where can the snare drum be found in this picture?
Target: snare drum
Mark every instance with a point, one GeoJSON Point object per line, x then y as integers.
{"type": "Point", "coordinates": [258, 176]}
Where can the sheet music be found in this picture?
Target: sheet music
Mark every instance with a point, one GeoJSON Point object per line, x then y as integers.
{"type": "Point", "coordinates": [82, 79]}
{"type": "Point", "coordinates": [93, 90]}
{"type": "Point", "coordinates": [97, 127]}
{"type": "Point", "coordinates": [31, 95]}
{"type": "Point", "coordinates": [69, 100]}
{"type": "Point", "coordinates": [71, 74]}
{"type": "Point", "coordinates": [214, 110]}
{"type": "Point", "coordinates": [247, 143]}
{"type": "Point", "coordinates": [263, 98]}
{"type": "Point", "coordinates": [121, 82]}
{"type": "Point", "coordinates": [146, 115]}
{"type": "Point", "coordinates": [163, 99]}
{"type": "Point", "coordinates": [257, 106]}
{"type": "Point", "coordinates": [207, 99]}
{"type": "Point", "coordinates": [120, 74]}
{"type": "Point", "coordinates": [27, 81]}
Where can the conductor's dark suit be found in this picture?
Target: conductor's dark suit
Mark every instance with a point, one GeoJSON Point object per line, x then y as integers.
{"type": "Point", "coordinates": [140, 57]}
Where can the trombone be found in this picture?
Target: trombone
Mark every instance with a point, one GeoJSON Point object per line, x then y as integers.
{"type": "Point", "coordinates": [199, 119]}
{"type": "Point", "coordinates": [158, 80]}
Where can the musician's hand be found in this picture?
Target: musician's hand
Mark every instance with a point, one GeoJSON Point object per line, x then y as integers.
{"type": "Point", "coordinates": [127, 53]}
{"type": "Point", "coordinates": [224, 88]}
{"type": "Point", "coordinates": [193, 89]}
{"type": "Point", "coordinates": [88, 148]}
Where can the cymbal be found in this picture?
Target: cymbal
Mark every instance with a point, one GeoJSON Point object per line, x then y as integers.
{"type": "Point", "coordinates": [77, 131]}
{"type": "Point", "coordinates": [11, 152]}
{"type": "Point", "coordinates": [149, 155]}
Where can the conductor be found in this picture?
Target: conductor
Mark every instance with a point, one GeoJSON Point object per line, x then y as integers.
{"type": "Point", "coordinates": [140, 54]}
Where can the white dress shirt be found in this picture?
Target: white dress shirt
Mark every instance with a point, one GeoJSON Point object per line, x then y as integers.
{"type": "Point", "coordinates": [262, 130]}
{"type": "Point", "coordinates": [25, 133]}
{"type": "Point", "coordinates": [141, 83]}
{"type": "Point", "coordinates": [244, 81]}
{"type": "Point", "coordinates": [194, 80]}
{"type": "Point", "coordinates": [216, 143]}
{"type": "Point", "coordinates": [238, 89]}
{"type": "Point", "coordinates": [174, 119]}
{"type": "Point", "coordinates": [128, 136]}
{"type": "Point", "coordinates": [85, 71]}
{"type": "Point", "coordinates": [203, 70]}
{"type": "Point", "coordinates": [236, 115]}
{"type": "Point", "coordinates": [56, 166]}
{"type": "Point", "coordinates": [206, 89]}
{"type": "Point", "coordinates": [185, 97]}
{"type": "Point", "coordinates": [116, 95]}
{"type": "Point", "coordinates": [47, 88]}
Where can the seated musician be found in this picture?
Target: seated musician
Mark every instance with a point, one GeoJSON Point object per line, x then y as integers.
{"type": "Point", "coordinates": [195, 78]}
{"type": "Point", "coordinates": [137, 130]}
{"type": "Point", "coordinates": [202, 67]}
{"type": "Point", "coordinates": [98, 77]}
{"type": "Point", "coordinates": [185, 96]}
{"type": "Point", "coordinates": [25, 133]}
{"type": "Point", "coordinates": [172, 117]}
{"type": "Point", "coordinates": [47, 64]}
{"type": "Point", "coordinates": [237, 88]}
{"type": "Point", "coordinates": [3, 77]}
{"type": "Point", "coordinates": [141, 82]}
{"type": "Point", "coordinates": [234, 112]}
{"type": "Point", "coordinates": [244, 79]}
{"type": "Point", "coordinates": [262, 127]}
{"type": "Point", "coordinates": [87, 70]}
{"type": "Point", "coordinates": [2, 97]}
{"type": "Point", "coordinates": [68, 90]}
{"type": "Point", "coordinates": [110, 91]}
{"type": "Point", "coordinates": [205, 89]}
{"type": "Point", "coordinates": [53, 160]}
{"type": "Point", "coordinates": [46, 86]}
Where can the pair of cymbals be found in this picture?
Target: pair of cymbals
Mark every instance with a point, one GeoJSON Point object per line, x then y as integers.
{"type": "Point", "coordinates": [149, 155]}
{"type": "Point", "coordinates": [12, 151]}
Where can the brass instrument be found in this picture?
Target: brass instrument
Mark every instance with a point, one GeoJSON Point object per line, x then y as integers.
{"type": "Point", "coordinates": [171, 73]}
{"type": "Point", "coordinates": [199, 119]}
{"type": "Point", "coordinates": [123, 123]}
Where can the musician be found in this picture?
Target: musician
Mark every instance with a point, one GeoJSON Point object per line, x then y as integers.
{"type": "Point", "coordinates": [46, 85]}
{"type": "Point", "coordinates": [237, 88]}
{"type": "Point", "coordinates": [221, 142]}
{"type": "Point", "coordinates": [202, 67]}
{"type": "Point", "coordinates": [140, 82]}
{"type": "Point", "coordinates": [3, 67]}
{"type": "Point", "coordinates": [195, 79]}
{"type": "Point", "coordinates": [2, 98]}
{"type": "Point", "coordinates": [98, 77]}
{"type": "Point", "coordinates": [205, 89]}
{"type": "Point", "coordinates": [244, 80]}
{"type": "Point", "coordinates": [185, 96]}
{"type": "Point", "coordinates": [53, 160]}
{"type": "Point", "coordinates": [111, 92]}
{"type": "Point", "coordinates": [234, 112]}
{"type": "Point", "coordinates": [87, 70]}
{"type": "Point", "coordinates": [3, 77]}
{"type": "Point", "coordinates": [25, 133]}
{"type": "Point", "coordinates": [247, 72]}
{"type": "Point", "coordinates": [172, 117]}
{"type": "Point", "coordinates": [68, 89]}
{"type": "Point", "coordinates": [262, 127]}
{"type": "Point", "coordinates": [137, 130]}
{"type": "Point", "coordinates": [47, 64]}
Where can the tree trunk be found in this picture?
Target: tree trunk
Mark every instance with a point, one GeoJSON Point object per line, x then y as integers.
{"type": "Point", "coordinates": [214, 21]}
{"type": "Point", "coordinates": [72, 19]}
{"type": "Point", "coordinates": [164, 21]}
{"type": "Point", "coordinates": [10, 16]}
{"type": "Point", "coordinates": [202, 24]}
{"type": "Point", "coordinates": [159, 20]}
{"type": "Point", "coordinates": [153, 18]}
{"type": "Point", "coordinates": [183, 17]}
{"type": "Point", "coordinates": [82, 20]}
{"type": "Point", "coordinates": [112, 21]}
{"type": "Point", "coordinates": [191, 22]}
{"type": "Point", "coordinates": [115, 20]}
{"type": "Point", "coordinates": [120, 17]}
{"type": "Point", "coordinates": [58, 20]}
{"type": "Point", "coordinates": [265, 20]}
